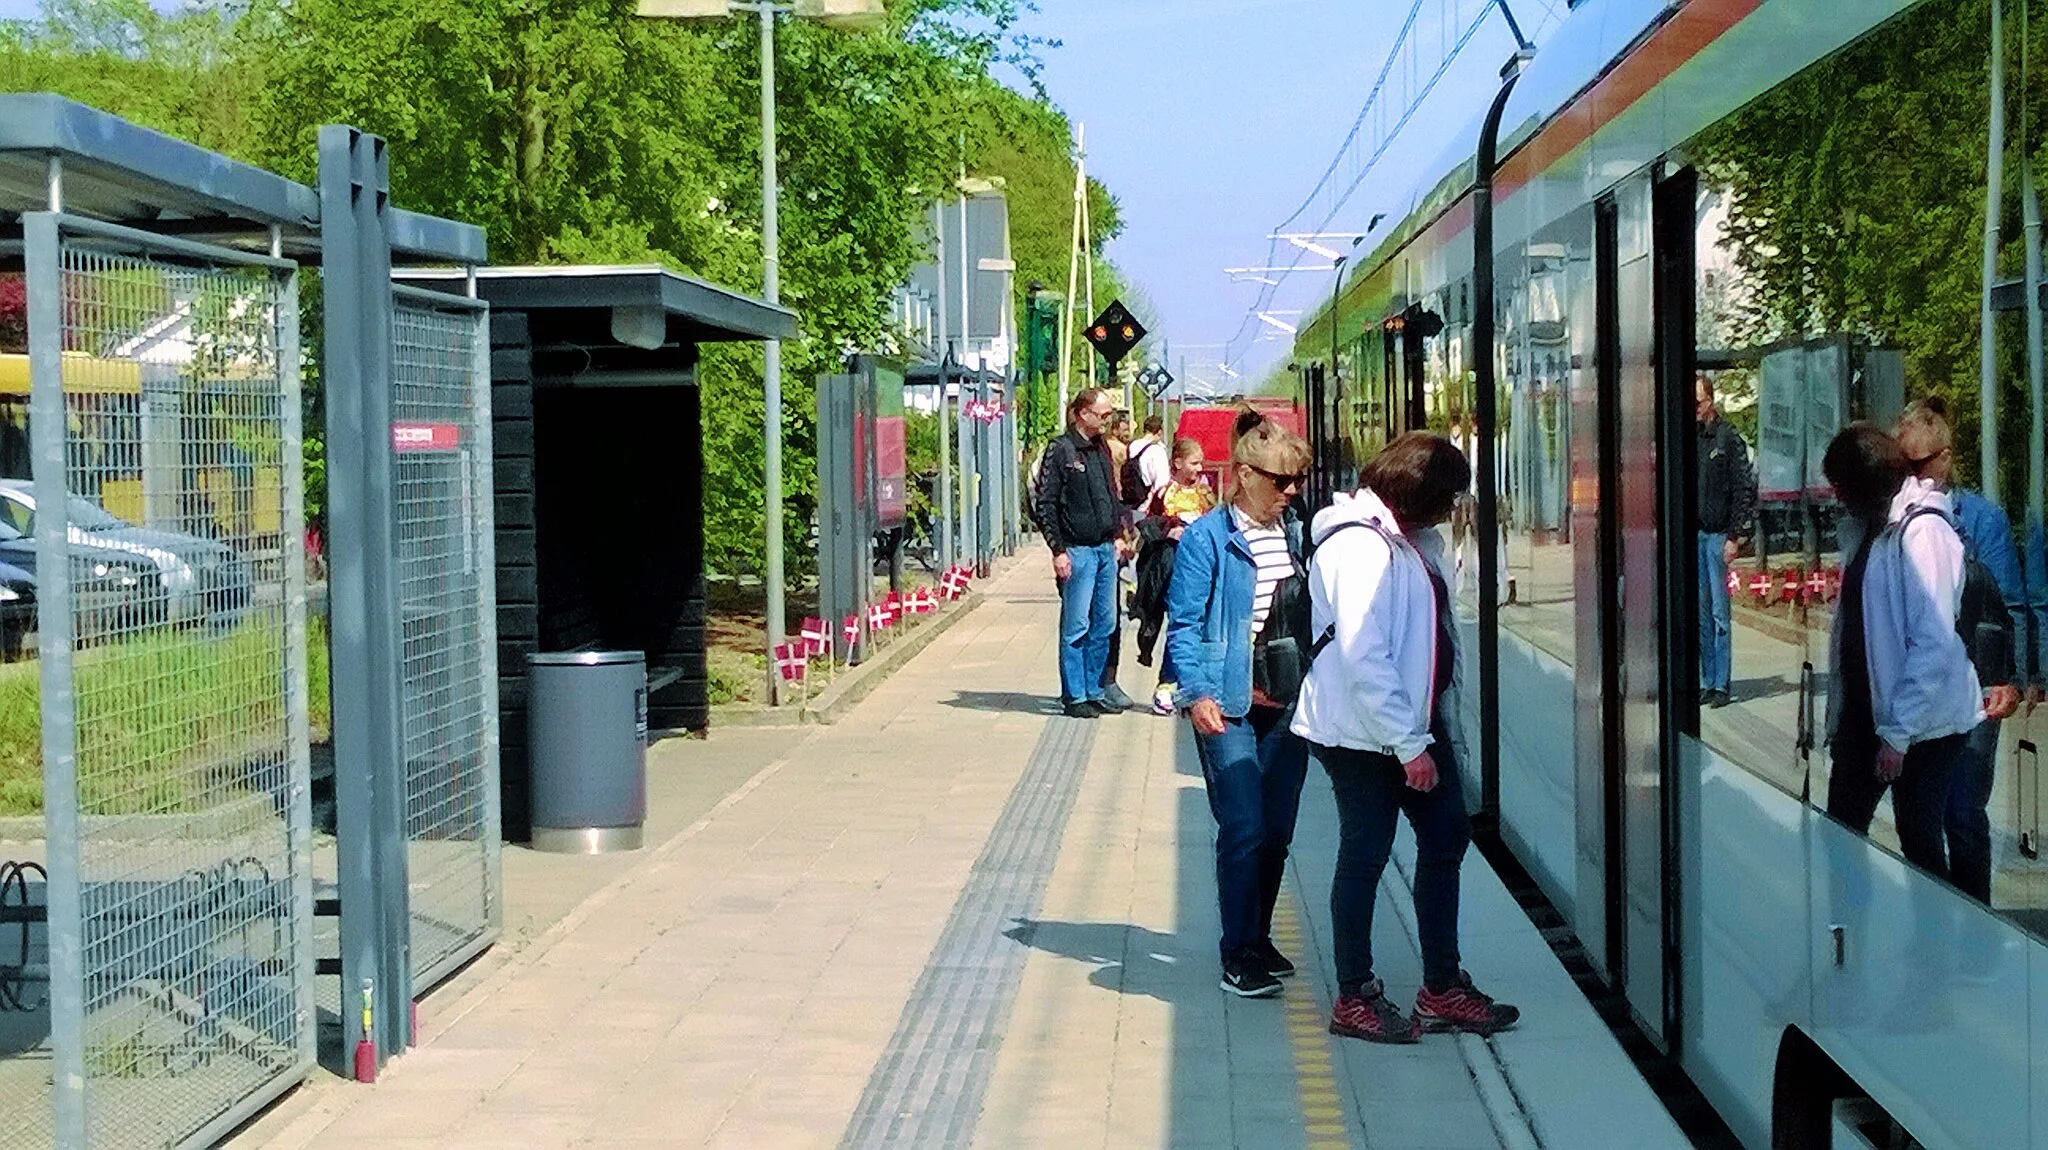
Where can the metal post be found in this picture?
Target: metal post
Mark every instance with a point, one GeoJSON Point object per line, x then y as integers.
{"type": "Point", "coordinates": [45, 271]}
{"type": "Point", "coordinates": [1994, 186]}
{"type": "Point", "coordinates": [966, 531]}
{"type": "Point", "coordinates": [771, 352]}
{"type": "Point", "coordinates": [368, 749]}
{"type": "Point", "coordinates": [945, 338]}
{"type": "Point", "coordinates": [1487, 525]}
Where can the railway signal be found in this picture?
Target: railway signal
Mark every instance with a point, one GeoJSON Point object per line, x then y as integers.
{"type": "Point", "coordinates": [1115, 332]}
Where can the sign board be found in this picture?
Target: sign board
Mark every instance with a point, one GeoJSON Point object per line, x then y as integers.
{"type": "Point", "coordinates": [410, 437]}
{"type": "Point", "coordinates": [892, 488]}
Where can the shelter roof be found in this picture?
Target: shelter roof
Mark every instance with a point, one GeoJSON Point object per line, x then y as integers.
{"type": "Point", "coordinates": [120, 172]}
{"type": "Point", "coordinates": [694, 311]}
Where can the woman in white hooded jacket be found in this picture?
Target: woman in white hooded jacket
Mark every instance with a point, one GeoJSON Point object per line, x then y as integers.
{"type": "Point", "coordinates": [1905, 693]}
{"type": "Point", "coordinates": [1372, 711]}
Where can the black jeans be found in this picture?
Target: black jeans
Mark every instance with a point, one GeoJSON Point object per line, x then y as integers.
{"type": "Point", "coordinates": [1253, 771]}
{"type": "Point", "coordinates": [1920, 794]}
{"type": "Point", "coordinates": [1371, 788]}
{"type": "Point", "coordinates": [1968, 818]}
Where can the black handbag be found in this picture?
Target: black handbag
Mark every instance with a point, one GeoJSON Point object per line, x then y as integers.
{"type": "Point", "coordinates": [1279, 659]}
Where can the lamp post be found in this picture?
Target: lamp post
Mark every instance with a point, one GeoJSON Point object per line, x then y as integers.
{"type": "Point", "coordinates": [841, 13]}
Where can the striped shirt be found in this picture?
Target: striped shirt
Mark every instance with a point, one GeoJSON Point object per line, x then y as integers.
{"type": "Point", "coordinates": [1269, 553]}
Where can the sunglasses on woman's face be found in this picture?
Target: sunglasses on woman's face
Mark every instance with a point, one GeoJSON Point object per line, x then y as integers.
{"type": "Point", "coordinates": [1280, 481]}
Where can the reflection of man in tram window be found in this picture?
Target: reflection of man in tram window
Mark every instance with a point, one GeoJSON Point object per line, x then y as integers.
{"type": "Point", "coordinates": [1927, 440]}
{"type": "Point", "coordinates": [1725, 500]}
{"type": "Point", "coordinates": [1905, 695]}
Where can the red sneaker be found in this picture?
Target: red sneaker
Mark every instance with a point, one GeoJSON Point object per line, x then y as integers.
{"type": "Point", "coordinates": [1463, 1007]}
{"type": "Point", "coordinates": [1370, 1016]}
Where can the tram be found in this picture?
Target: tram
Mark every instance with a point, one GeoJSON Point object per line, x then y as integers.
{"type": "Point", "coordinates": [1785, 200]}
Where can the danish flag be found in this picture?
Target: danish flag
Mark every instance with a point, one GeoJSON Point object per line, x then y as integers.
{"type": "Point", "coordinates": [1734, 582]}
{"type": "Point", "coordinates": [790, 661]}
{"type": "Point", "coordinates": [817, 636]}
{"type": "Point", "coordinates": [1816, 585]}
{"type": "Point", "coordinates": [878, 617]}
{"type": "Point", "coordinates": [955, 581]}
{"type": "Point", "coordinates": [852, 631]}
{"type": "Point", "coordinates": [1760, 586]}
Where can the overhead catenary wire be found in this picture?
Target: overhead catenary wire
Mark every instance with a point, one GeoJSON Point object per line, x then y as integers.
{"type": "Point", "coordinates": [1372, 133]}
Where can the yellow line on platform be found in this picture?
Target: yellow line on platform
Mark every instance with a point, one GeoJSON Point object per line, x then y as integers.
{"type": "Point", "coordinates": [1322, 1108]}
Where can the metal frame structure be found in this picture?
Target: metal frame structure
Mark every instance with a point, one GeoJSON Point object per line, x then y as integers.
{"type": "Point", "coordinates": [179, 919]}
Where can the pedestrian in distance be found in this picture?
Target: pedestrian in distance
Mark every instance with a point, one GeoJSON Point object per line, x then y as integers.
{"type": "Point", "coordinates": [1927, 441]}
{"type": "Point", "coordinates": [1146, 469]}
{"type": "Point", "coordinates": [1118, 441]}
{"type": "Point", "coordinates": [1178, 504]}
{"type": "Point", "coordinates": [1078, 513]}
{"type": "Point", "coordinates": [1906, 695]}
{"type": "Point", "coordinates": [1235, 617]}
{"type": "Point", "coordinates": [1726, 506]}
{"type": "Point", "coordinates": [1383, 674]}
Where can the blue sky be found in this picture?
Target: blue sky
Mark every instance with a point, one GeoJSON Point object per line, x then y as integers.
{"type": "Point", "coordinates": [1211, 121]}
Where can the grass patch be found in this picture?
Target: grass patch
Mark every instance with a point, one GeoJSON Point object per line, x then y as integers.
{"type": "Point", "coordinates": [169, 719]}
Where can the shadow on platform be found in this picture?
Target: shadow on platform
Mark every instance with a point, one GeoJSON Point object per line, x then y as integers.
{"type": "Point", "coordinates": [1009, 702]}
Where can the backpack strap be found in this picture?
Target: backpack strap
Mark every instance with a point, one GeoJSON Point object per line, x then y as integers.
{"type": "Point", "coordinates": [1329, 634]}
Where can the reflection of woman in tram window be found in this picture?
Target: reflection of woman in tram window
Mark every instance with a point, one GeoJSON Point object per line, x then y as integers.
{"type": "Point", "coordinates": [1905, 694]}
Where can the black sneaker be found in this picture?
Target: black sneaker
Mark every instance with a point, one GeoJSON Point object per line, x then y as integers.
{"type": "Point", "coordinates": [1268, 956]}
{"type": "Point", "coordinates": [1244, 978]}
{"type": "Point", "coordinates": [1113, 700]}
{"type": "Point", "coordinates": [1715, 699]}
{"type": "Point", "coordinates": [1085, 709]}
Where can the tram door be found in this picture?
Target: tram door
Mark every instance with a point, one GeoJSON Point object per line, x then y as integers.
{"type": "Point", "coordinates": [1624, 801]}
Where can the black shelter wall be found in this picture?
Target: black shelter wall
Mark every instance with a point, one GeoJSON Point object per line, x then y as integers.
{"type": "Point", "coordinates": [517, 554]}
{"type": "Point", "coordinates": [620, 519]}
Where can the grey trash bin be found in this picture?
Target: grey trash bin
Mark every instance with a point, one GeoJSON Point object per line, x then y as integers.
{"type": "Point", "coordinates": [587, 733]}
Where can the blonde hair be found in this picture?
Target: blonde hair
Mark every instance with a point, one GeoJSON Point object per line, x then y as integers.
{"type": "Point", "coordinates": [1271, 447]}
{"type": "Point", "coordinates": [1924, 430]}
{"type": "Point", "coordinates": [1186, 448]}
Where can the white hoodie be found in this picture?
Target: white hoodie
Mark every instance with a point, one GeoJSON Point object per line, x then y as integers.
{"type": "Point", "coordinates": [1373, 686]}
{"type": "Point", "coordinates": [1922, 683]}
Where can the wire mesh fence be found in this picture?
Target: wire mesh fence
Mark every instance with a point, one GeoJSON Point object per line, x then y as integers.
{"type": "Point", "coordinates": [174, 702]}
{"type": "Point", "coordinates": [441, 445]}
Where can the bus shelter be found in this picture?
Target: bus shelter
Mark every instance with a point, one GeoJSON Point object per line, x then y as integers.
{"type": "Point", "coordinates": [160, 878]}
{"type": "Point", "coordinates": [599, 476]}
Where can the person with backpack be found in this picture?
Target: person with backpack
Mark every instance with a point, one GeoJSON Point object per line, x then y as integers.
{"type": "Point", "coordinates": [1147, 467]}
{"type": "Point", "coordinates": [1994, 594]}
{"type": "Point", "coordinates": [1382, 675]}
{"type": "Point", "coordinates": [1905, 695]}
{"type": "Point", "coordinates": [1235, 623]}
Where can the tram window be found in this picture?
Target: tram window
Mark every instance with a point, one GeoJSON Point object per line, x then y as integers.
{"type": "Point", "coordinates": [1840, 265]}
{"type": "Point", "coordinates": [1539, 370]}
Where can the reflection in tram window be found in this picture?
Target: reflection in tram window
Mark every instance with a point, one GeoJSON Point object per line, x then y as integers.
{"type": "Point", "coordinates": [1841, 261]}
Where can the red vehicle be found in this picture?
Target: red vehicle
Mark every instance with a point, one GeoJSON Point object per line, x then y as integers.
{"type": "Point", "coordinates": [1211, 427]}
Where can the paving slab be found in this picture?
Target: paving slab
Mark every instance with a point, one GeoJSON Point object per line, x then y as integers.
{"type": "Point", "coordinates": [955, 917]}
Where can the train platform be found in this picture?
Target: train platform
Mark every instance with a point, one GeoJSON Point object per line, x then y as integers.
{"type": "Point", "coordinates": [957, 918]}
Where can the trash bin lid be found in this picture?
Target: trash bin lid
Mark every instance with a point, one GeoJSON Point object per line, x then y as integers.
{"type": "Point", "coordinates": [584, 658]}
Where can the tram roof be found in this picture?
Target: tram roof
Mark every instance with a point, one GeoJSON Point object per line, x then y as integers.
{"type": "Point", "coordinates": [121, 172]}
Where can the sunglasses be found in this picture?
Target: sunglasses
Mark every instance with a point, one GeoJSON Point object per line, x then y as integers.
{"type": "Point", "coordinates": [1919, 465]}
{"type": "Point", "coordinates": [1283, 482]}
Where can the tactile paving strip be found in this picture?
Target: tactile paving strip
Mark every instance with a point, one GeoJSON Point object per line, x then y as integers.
{"type": "Point", "coordinates": [928, 1086]}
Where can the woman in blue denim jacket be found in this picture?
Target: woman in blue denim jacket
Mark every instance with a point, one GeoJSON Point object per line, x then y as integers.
{"type": "Point", "coordinates": [1229, 565]}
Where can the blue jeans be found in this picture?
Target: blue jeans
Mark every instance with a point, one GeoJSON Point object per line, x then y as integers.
{"type": "Point", "coordinates": [1967, 821]}
{"type": "Point", "coordinates": [1253, 771]}
{"type": "Point", "coordinates": [1371, 789]}
{"type": "Point", "coordinates": [1716, 654]}
{"type": "Point", "coordinates": [1087, 618]}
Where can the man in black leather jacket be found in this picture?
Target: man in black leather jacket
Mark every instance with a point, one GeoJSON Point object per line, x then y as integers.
{"type": "Point", "coordinates": [1077, 510]}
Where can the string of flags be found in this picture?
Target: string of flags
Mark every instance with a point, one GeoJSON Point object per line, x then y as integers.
{"type": "Point", "coordinates": [813, 641]}
{"type": "Point", "coordinates": [1789, 585]}
{"type": "Point", "coordinates": [985, 410]}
